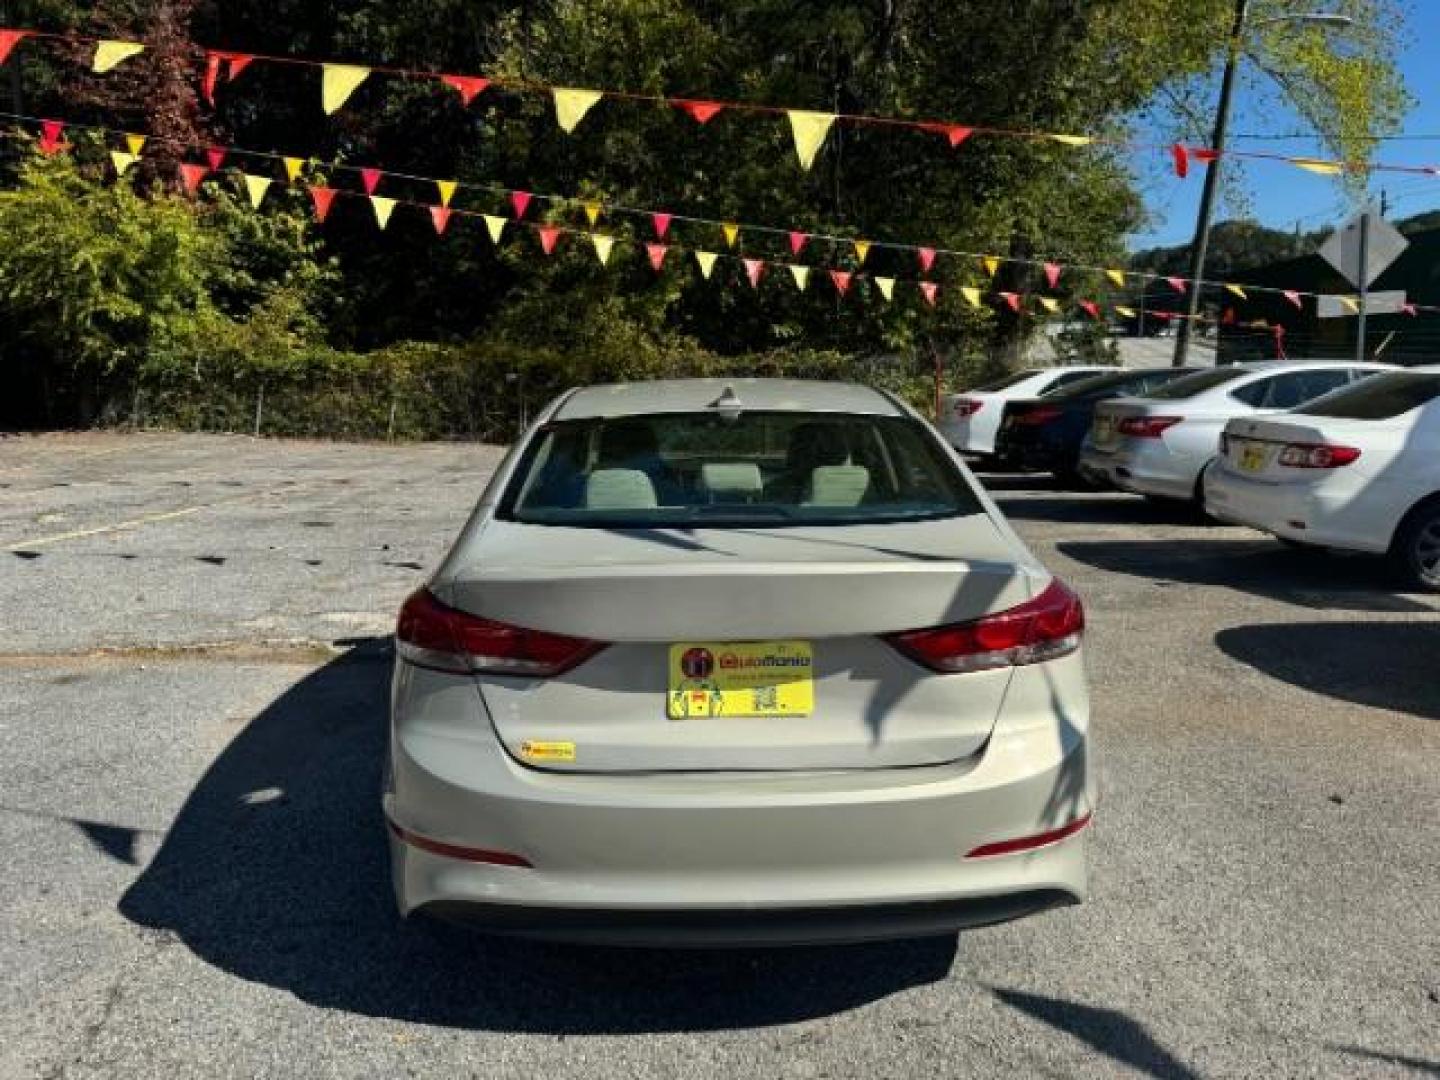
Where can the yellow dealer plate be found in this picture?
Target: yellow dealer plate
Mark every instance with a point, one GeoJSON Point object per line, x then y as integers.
{"type": "Point", "coordinates": [753, 678]}
{"type": "Point", "coordinates": [1252, 458]}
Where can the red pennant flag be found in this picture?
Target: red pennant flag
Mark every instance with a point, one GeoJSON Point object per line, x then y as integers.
{"type": "Point", "coordinates": [657, 254]}
{"type": "Point", "coordinates": [50, 136]}
{"type": "Point", "coordinates": [212, 75]}
{"type": "Point", "coordinates": [661, 221]}
{"type": "Point", "coordinates": [468, 86]}
{"type": "Point", "coordinates": [1294, 298]}
{"type": "Point", "coordinates": [1164, 316]}
{"type": "Point", "coordinates": [753, 269]}
{"type": "Point", "coordinates": [797, 242]}
{"type": "Point", "coordinates": [1409, 309]}
{"type": "Point", "coordinates": [549, 234]}
{"type": "Point", "coordinates": [1090, 308]}
{"type": "Point", "coordinates": [1052, 274]}
{"type": "Point", "coordinates": [440, 217]}
{"type": "Point", "coordinates": [371, 179]}
{"type": "Point", "coordinates": [702, 112]}
{"type": "Point", "coordinates": [216, 157]}
{"type": "Point", "coordinates": [928, 288]}
{"type": "Point", "coordinates": [841, 278]}
{"type": "Point", "coordinates": [520, 200]}
{"type": "Point", "coordinates": [1182, 160]}
{"type": "Point", "coordinates": [1012, 299]}
{"type": "Point", "coordinates": [322, 198]}
{"type": "Point", "coordinates": [8, 40]}
{"type": "Point", "coordinates": [927, 259]}
{"type": "Point", "coordinates": [954, 133]}
{"type": "Point", "coordinates": [238, 63]}
{"type": "Point", "coordinates": [1178, 284]}
{"type": "Point", "coordinates": [1205, 157]}
{"type": "Point", "coordinates": [1228, 317]}
{"type": "Point", "coordinates": [192, 176]}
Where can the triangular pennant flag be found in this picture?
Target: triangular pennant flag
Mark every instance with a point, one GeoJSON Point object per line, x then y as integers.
{"type": "Point", "coordinates": [1409, 309]}
{"type": "Point", "coordinates": [841, 279]}
{"type": "Point", "coordinates": [754, 268]}
{"type": "Point", "coordinates": [862, 249]}
{"type": "Point", "coordinates": [661, 222]}
{"type": "Point", "coordinates": [192, 176]}
{"type": "Point", "coordinates": [50, 136]}
{"type": "Point", "coordinates": [797, 242]}
{"type": "Point", "coordinates": [1073, 140]}
{"type": "Point", "coordinates": [1181, 158]}
{"type": "Point", "coordinates": [468, 86]}
{"type": "Point", "coordinates": [1294, 298]}
{"type": "Point", "coordinates": [732, 233]}
{"type": "Point", "coordinates": [338, 83]}
{"type": "Point", "coordinates": [1012, 300]}
{"type": "Point", "coordinates": [602, 245]}
{"type": "Point", "coordinates": [954, 133]}
{"type": "Point", "coordinates": [1237, 290]}
{"type": "Point", "coordinates": [801, 274]}
{"type": "Point", "coordinates": [592, 213]}
{"type": "Point", "coordinates": [706, 259]}
{"type": "Point", "coordinates": [1117, 276]}
{"type": "Point", "coordinates": [572, 105]}
{"type": "Point", "coordinates": [886, 285]}
{"type": "Point", "coordinates": [495, 226]}
{"type": "Point", "coordinates": [122, 161]}
{"type": "Point", "coordinates": [809, 130]}
{"type": "Point", "coordinates": [322, 197]}
{"type": "Point", "coordinates": [926, 257]}
{"type": "Point", "coordinates": [135, 143]}
{"type": "Point", "coordinates": [294, 166]}
{"type": "Point", "coordinates": [216, 157]}
{"type": "Point", "coordinates": [1050, 304]}
{"type": "Point", "coordinates": [111, 54]}
{"type": "Point", "coordinates": [1178, 284]}
{"type": "Point", "coordinates": [235, 64]}
{"type": "Point", "coordinates": [549, 236]}
{"type": "Point", "coordinates": [447, 191]}
{"type": "Point", "coordinates": [8, 40]}
{"type": "Point", "coordinates": [992, 264]}
{"type": "Point", "coordinates": [371, 179]}
{"type": "Point", "coordinates": [657, 253]}
{"type": "Point", "coordinates": [440, 218]}
{"type": "Point", "coordinates": [1315, 165]}
{"type": "Point", "coordinates": [971, 295]}
{"type": "Point", "coordinates": [383, 209]}
{"type": "Point", "coordinates": [1090, 308]}
{"type": "Point", "coordinates": [1125, 312]}
{"type": "Point", "coordinates": [702, 112]}
{"type": "Point", "coordinates": [519, 202]}
{"type": "Point", "coordinates": [928, 289]}
{"type": "Point", "coordinates": [1052, 274]}
{"type": "Point", "coordinates": [256, 187]}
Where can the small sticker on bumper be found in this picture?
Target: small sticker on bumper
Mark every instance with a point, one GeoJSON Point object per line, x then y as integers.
{"type": "Point", "coordinates": [547, 751]}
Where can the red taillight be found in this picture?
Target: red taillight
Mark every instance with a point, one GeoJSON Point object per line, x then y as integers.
{"type": "Point", "coordinates": [1048, 627]}
{"type": "Point", "coordinates": [963, 407]}
{"type": "Point", "coordinates": [1317, 455]}
{"type": "Point", "coordinates": [435, 636]}
{"type": "Point", "coordinates": [1042, 415]}
{"type": "Point", "coordinates": [1147, 427]}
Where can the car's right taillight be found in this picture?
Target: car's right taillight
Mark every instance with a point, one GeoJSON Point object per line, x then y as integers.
{"type": "Point", "coordinates": [1045, 628]}
{"type": "Point", "coordinates": [432, 635]}
{"type": "Point", "coordinates": [963, 407]}
{"type": "Point", "coordinates": [1147, 427]}
{"type": "Point", "coordinates": [1317, 455]}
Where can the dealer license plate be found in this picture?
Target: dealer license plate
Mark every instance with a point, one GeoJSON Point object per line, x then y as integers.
{"type": "Point", "coordinates": [754, 678]}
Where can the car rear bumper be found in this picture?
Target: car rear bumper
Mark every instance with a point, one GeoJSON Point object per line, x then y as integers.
{"type": "Point", "coordinates": [1304, 512]}
{"type": "Point", "coordinates": [1146, 470]}
{"type": "Point", "coordinates": [740, 858]}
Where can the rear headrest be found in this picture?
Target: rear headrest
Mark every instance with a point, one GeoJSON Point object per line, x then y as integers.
{"type": "Point", "coordinates": [838, 485]}
{"type": "Point", "coordinates": [619, 489]}
{"type": "Point", "coordinates": [731, 481]}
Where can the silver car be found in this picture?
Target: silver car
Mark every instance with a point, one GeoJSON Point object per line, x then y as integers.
{"type": "Point", "coordinates": [737, 662]}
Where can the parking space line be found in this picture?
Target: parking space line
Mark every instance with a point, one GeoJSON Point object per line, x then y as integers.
{"type": "Point", "coordinates": [135, 523]}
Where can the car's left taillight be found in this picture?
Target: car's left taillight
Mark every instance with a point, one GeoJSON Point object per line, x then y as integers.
{"type": "Point", "coordinates": [1045, 628]}
{"type": "Point", "coordinates": [432, 635]}
{"type": "Point", "coordinates": [1147, 427]}
{"type": "Point", "coordinates": [963, 407]}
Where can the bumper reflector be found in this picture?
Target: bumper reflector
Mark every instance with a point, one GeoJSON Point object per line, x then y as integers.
{"type": "Point", "coordinates": [1029, 843]}
{"type": "Point", "coordinates": [455, 851]}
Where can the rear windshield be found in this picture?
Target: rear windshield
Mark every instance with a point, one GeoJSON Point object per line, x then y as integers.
{"type": "Point", "coordinates": [1198, 383]}
{"type": "Point", "coordinates": [1007, 382]}
{"type": "Point", "coordinates": [1125, 382]}
{"type": "Point", "coordinates": [702, 469]}
{"type": "Point", "coordinates": [1377, 398]}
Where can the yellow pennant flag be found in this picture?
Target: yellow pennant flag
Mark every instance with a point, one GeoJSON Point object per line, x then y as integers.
{"type": "Point", "coordinates": [496, 226]}
{"type": "Point", "coordinates": [592, 213]}
{"type": "Point", "coordinates": [603, 244]}
{"type": "Point", "coordinates": [1117, 276]}
{"type": "Point", "coordinates": [1125, 312]}
{"type": "Point", "coordinates": [135, 143]}
{"type": "Point", "coordinates": [971, 294]}
{"type": "Point", "coordinates": [1238, 291]}
{"type": "Point", "coordinates": [447, 190]}
{"type": "Point", "coordinates": [339, 82]}
{"type": "Point", "coordinates": [1073, 140]}
{"type": "Point", "coordinates": [992, 264]}
{"type": "Point", "coordinates": [706, 259]}
{"type": "Point", "coordinates": [383, 209]}
{"type": "Point", "coordinates": [886, 285]}
{"type": "Point", "coordinates": [294, 166]}
{"type": "Point", "coordinates": [801, 274]}
{"type": "Point", "coordinates": [732, 232]}
{"type": "Point", "coordinates": [256, 187]}
{"type": "Point", "coordinates": [809, 129]}
{"type": "Point", "coordinates": [572, 105]}
{"type": "Point", "coordinates": [1350, 304]}
{"type": "Point", "coordinates": [1314, 165]}
{"type": "Point", "coordinates": [110, 54]}
{"type": "Point", "coordinates": [862, 248]}
{"type": "Point", "coordinates": [122, 161]}
{"type": "Point", "coordinates": [1050, 304]}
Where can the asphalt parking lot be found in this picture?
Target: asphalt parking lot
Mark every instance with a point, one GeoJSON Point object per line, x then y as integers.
{"type": "Point", "coordinates": [192, 694]}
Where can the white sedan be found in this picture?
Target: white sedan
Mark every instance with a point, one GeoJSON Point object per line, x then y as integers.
{"type": "Point", "coordinates": [970, 421]}
{"type": "Point", "coordinates": [1358, 469]}
{"type": "Point", "coordinates": [1160, 444]}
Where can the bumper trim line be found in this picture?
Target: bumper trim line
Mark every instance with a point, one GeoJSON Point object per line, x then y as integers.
{"type": "Point", "coordinates": [456, 851]}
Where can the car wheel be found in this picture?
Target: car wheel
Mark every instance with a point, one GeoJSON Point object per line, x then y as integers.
{"type": "Point", "coordinates": [1416, 550]}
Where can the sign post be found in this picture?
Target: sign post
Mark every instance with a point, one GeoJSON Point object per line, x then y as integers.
{"type": "Point", "coordinates": [1362, 250]}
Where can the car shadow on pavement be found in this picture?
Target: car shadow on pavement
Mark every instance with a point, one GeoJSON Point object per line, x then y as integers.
{"type": "Point", "coordinates": [276, 871]}
{"type": "Point", "coordinates": [1261, 567]}
{"type": "Point", "coordinates": [1386, 665]}
{"type": "Point", "coordinates": [1106, 508]}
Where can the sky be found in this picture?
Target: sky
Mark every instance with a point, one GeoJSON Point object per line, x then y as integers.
{"type": "Point", "coordinates": [1280, 195]}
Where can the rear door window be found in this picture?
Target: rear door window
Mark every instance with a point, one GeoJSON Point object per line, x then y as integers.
{"type": "Point", "coordinates": [1379, 397]}
{"type": "Point", "coordinates": [1198, 383]}
{"type": "Point", "coordinates": [1064, 379]}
